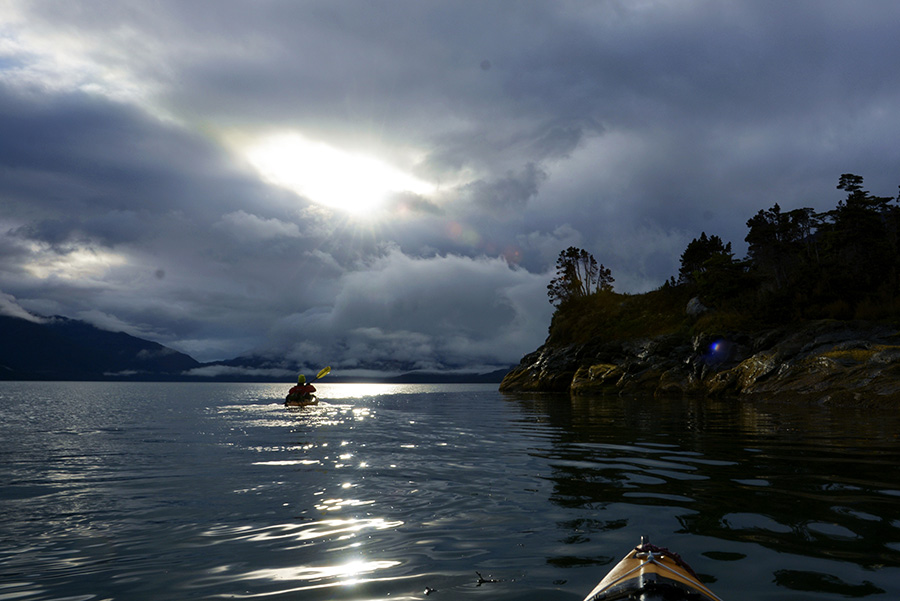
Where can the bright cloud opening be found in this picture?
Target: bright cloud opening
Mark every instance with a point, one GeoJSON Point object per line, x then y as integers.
{"type": "Point", "coordinates": [354, 183]}
{"type": "Point", "coordinates": [80, 264]}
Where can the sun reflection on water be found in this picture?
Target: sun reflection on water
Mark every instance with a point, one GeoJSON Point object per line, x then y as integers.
{"type": "Point", "coordinates": [302, 532]}
{"type": "Point", "coordinates": [342, 570]}
{"type": "Point", "coordinates": [348, 573]}
{"type": "Point", "coordinates": [362, 390]}
{"type": "Point", "coordinates": [313, 465]}
{"type": "Point", "coordinates": [289, 462]}
{"type": "Point", "coordinates": [337, 504]}
{"type": "Point", "coordinates": [315, 577]}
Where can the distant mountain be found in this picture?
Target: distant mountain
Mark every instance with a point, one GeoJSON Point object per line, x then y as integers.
{"type": "Point", "coordinates": [424, 377]}
{"type": "Point", "coordinates": [59, 348]}
{"type": "Point", "coordinates": [252, 367]}
{"type": "Point", "coordinates": [264, 363]}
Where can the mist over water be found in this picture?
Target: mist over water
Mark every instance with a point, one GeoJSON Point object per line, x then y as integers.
{"type": "Point", "coordinates": [178, 491]}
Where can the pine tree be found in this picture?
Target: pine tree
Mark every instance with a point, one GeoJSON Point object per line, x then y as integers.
{"type": "Point", "coordinates": [577, 275]}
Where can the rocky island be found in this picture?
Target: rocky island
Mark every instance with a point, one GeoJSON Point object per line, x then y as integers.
{"type": "Point", "coordinates": [811, 313]}
{"type": "Point", "coordinates": [819, 361]}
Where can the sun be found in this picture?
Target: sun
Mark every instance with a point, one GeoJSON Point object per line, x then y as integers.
{"type": "Point", "coordinates": [355, 183]}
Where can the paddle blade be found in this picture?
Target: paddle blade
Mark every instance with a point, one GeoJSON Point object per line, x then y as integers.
{"type": "Point", "coordinates": [325, 371]}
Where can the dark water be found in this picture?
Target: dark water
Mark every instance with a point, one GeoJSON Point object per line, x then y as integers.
{"type": "Point", "coordinates": [205, 491]}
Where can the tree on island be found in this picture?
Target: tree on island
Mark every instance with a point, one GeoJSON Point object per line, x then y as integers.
{"type": "Point", "coordinates": [838, 264]}
{"type": "Point", "coordinates": [778, 243]}
{"type": "Point", "coordinates": [708, 265]}
{"type": "Point", "coordinates": [860, 239]}
{"type": "Point", "coordinates": [800, 265]}
{"type": "Point", "coordinates": [701, 255]}
{"type": "Point", "coordinates": [577, 275]}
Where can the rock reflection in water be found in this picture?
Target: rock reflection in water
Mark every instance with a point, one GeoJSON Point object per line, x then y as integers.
{"type": "Point", "coordinates": [810, 481]}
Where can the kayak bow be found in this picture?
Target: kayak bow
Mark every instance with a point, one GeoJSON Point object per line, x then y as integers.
{"type": "Point", "coordinates": [651, 573]}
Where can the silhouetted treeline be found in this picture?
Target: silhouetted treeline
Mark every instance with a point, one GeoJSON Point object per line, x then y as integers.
{"type": "Point", "coordinates": [842, 264]}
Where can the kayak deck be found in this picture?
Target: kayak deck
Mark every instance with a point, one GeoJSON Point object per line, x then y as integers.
{"type": "Point", "coordinates": [651, 573]}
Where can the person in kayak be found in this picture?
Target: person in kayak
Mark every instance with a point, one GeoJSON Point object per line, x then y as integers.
{"type": "Point", "coordinates": [301, 394]}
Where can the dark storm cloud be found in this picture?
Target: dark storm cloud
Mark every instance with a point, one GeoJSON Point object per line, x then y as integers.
{"type": "Point", "coordinates": [626, 128]}
{"type": "Point", "coordinates": [509, 192]}
{"type": "Point", "coordinates": [79, 156]}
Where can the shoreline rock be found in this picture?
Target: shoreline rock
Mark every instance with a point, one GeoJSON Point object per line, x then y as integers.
{"type": "Point", "coordinates": [821, 361]}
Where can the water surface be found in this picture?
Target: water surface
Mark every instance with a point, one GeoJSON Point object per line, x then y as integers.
{"type": "Point", "coordinates": [203, 491]}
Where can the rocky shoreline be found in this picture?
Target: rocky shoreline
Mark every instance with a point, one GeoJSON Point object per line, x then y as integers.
{"type": "Point", "coordinates": [822, 361]}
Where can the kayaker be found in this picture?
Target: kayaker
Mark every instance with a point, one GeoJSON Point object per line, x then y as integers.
{"type": "Point", "coordinates": [302, 393]}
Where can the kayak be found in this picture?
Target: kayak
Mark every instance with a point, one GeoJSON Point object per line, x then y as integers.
{"type": "Point", "coordinates": [296, 400]}
{"type": "Point", "coordinates": [651, 573]}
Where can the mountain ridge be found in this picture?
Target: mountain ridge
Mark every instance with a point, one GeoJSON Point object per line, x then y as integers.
{"type": "Point", "coordinates": [60, 348]}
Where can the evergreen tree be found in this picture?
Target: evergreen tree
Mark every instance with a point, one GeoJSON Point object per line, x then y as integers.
{"type": "Point", "coordinates": [695, 258]}
{"type": "Point", "coordinates": [859, 240]}
{"type": "Point", "coordinates": [780, 243]}
{"type": "Point", "coordinates": [577, 275]}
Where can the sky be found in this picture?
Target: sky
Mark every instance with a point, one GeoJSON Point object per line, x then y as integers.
{"type": "Point", "coordinates": [385, 186]}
